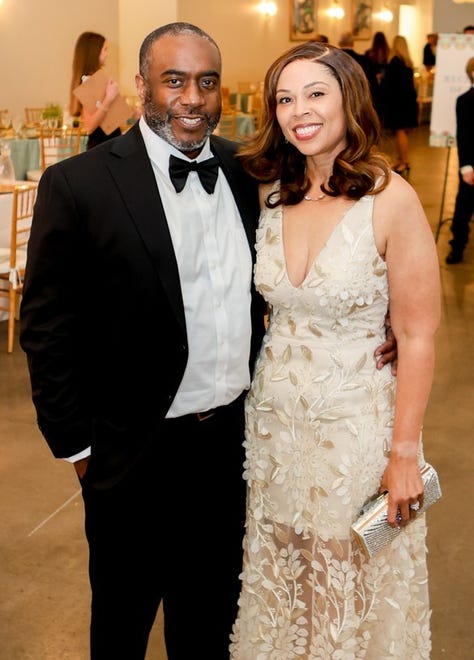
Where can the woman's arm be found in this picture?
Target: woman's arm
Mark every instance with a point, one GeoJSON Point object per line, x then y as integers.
{"type": "Point", "coordinates": [92, 120]}
{"type": "Point", "coordinates": [413, 272]}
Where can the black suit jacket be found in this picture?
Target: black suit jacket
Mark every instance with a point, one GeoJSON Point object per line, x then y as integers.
{"type": "Point", "coordinates": [102, 317]}
{"type": "Point", "coordinates": [429, 57]}
{"type": "Point", "coordinates": [465, 127]}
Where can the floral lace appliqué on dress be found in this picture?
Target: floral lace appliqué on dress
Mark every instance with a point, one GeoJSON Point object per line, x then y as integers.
{"type": "Point", "coordinates": [318, 414]}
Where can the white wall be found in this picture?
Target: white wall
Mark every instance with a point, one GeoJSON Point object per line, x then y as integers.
{"type": "Point", "coordinates": [450, 16]}
{"type": "Point", "coordinates": [37, 37]}
{"type": "Point", "coordinates": [37, 40]}
{"type": "Point", "coordinates": [137, 18]}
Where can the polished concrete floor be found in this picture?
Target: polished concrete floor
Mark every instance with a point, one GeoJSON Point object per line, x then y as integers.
{"type": "Point", "coordinates": [44, 591]}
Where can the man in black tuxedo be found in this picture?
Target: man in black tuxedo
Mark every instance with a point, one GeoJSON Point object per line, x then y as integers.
{"type": "Point", "coordinates": [140, 323]}
{"type": "Point", "coordinates": [464, 205]}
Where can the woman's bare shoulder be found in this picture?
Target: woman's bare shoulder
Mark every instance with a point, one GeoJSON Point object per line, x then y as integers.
{"type": "Point", "coordinates": [398, 197]}
{"type": "Point", "coordinates": [397, 211]}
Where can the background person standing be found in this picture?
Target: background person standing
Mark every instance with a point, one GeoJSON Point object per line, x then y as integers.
{"type": "Point", "coordinates": [464, 205]}
{"type": "Point", "coordinates": [90, 55]}
{"type": "Point", "coordinates": [378, 55]}
{"type": "Point", "coordinates": [346, 42]}
{"type": "Point", "coordinates": [429, 51]}
{"type": "Point", "coordinates": [400, 101]}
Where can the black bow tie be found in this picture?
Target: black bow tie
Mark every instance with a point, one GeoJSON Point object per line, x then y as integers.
{"type": "Point", "coordinates": [207, 171]}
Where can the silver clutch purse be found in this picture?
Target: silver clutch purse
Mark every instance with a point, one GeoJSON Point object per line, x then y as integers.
{"type": "Point", "coordinates": [371, 530]}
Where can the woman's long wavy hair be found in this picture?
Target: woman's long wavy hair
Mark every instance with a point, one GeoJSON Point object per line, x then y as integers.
{"type": "Point", "coordinates": [268, 157]}
{"type": "Point", "coordinates": [400, 49]}
{"type": "Point", "coordinates": [379, 52]}
{"type": "Point", "coordinates": [85, 62]}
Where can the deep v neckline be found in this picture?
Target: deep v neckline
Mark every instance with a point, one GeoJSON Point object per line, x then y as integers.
{"type": "Point", "coordinates": [318, 254]}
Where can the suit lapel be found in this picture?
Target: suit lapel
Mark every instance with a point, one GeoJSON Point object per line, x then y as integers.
{"type": "Point", "coordinates": [133, 173]}
{"type": "Point", "coordinates": [244, 189]}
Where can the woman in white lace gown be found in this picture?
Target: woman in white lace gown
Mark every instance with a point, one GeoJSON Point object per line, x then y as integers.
{"type": "Point", "coordinates": [340, 240]}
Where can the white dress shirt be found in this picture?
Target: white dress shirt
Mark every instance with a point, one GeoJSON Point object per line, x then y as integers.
{"type": "Point", "coordinates": [215, 269]}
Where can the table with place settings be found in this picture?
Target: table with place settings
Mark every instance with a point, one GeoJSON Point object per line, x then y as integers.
{"type": "Point", "coordinates": [25, 153]}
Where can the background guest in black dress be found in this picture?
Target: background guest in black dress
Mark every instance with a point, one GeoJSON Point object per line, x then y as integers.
{"type": "Point", "coordinates": [346, 43]}
{"type": "Point", "coordinates": [464, 206]}
{"type": "Point", "coordinates": [378, 55]}
{"type": "Point", "coordinates": [399, 94]}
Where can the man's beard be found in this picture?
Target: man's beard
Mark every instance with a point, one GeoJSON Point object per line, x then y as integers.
{"type": "Point", "coordinates": [161, 125]}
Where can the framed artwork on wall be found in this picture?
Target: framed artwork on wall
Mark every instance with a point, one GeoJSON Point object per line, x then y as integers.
{"type": "Point", "coordinates": [302, 20]}
{"type": "Point", "coordinates": [362, 19]}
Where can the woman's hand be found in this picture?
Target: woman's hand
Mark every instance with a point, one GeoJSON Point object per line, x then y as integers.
{"type": "Point", "coordinates": [92, 120]}
{"type": "Point", "coordinates": [402, 479]}
{"type": "Point", "coordinates": [112, 90]}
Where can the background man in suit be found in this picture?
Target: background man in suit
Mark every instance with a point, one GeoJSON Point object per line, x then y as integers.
{"type": "Point", "coordinates": [429, 50]}
{"type": "Point", "coordinates": [464, 205]}
{"type": "Point", "coordinates": [136, 319]}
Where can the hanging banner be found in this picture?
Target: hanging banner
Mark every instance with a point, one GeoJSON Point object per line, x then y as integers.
{"type": "Point", "coordinates": [452, 53]}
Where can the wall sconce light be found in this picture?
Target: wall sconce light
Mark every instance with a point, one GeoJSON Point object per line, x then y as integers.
{"type": "Point", "coordinates": [386, 16]}
{"type": "Point", "coordinates": [267, 8]}
{"type": "Point", "coordinates": [336, 11]}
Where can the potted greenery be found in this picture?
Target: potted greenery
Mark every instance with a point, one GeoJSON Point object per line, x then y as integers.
{"type": "Point", "coordinates": [52, 115]}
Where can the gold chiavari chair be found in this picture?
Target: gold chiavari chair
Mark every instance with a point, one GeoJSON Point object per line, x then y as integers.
{"type": "Point", "coordinates": [257, 110]}
{"type": "Point", "coordinates": [13, 258]}
{"type": "Point", "coordinates": [226, 126]}
{"type": "Point", "coordinates": [33, 116]}
{"type": "Point", "coordinates": [56, 144]}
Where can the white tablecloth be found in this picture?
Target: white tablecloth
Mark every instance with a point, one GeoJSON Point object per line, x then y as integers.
{"type": "Point", "coordinates": [25, 153]}
{"type": "Point", "coordinates": [5, 228]}
{"type": "Point", "coordinates": [5, 218]}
